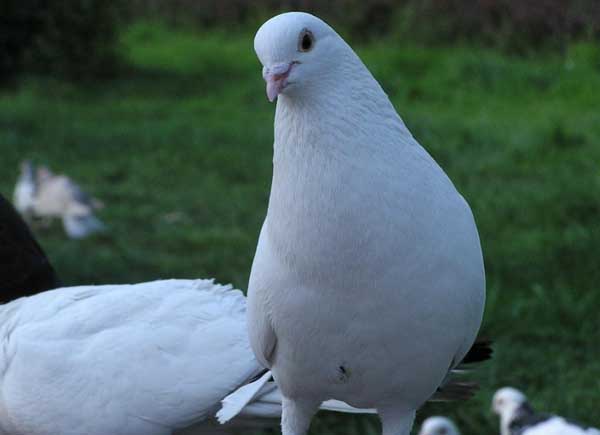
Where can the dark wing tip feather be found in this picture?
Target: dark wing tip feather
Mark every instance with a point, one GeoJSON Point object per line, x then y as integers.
{"type": "Point", "coordinates": [480, 351]}
{"type": "Point", "coordinates": [456, 390]}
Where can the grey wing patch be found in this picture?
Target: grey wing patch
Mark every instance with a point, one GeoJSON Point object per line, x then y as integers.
{"type": "Point", "coordinates": [79, 195]}
{"type": "Point", "coordinates": [524, 418]}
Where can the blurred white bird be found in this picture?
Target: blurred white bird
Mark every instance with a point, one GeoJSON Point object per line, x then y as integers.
{"type": "Point", "coordinates": [438, 426]}
{"type": "Point", "coordinates": [517, 417]}
{"type": "Point", "coordinates": [25, 190]}
{"type": "Point", "coordinates": [43, 194]}
{"type": "Point", "coordinates": [144, 359]}
{"type": "Point", "coordinates": [368, 282]}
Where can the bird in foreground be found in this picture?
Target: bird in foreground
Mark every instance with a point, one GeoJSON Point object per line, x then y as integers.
{"type": "Point", "coordinates": [146, 359]}
{"type": "Point", "coordinates": [438, 426]}
{"type": "Point", "coordinates": [368, 281]}
{"type": "Point", "coordinates": [518, 417]}
{"type": "Point", "coordinates": [41, 193]}
{"type": "Point", "coordinates": [24, 267]}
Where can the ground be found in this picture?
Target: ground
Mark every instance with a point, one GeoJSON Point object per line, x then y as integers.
{"type": "Point", "coordinates": [179, 149]}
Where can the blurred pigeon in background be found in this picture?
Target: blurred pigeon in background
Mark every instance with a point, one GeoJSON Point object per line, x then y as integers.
{"type": "Point", "coordinates": [438, 426]}
{"type": "Point", "coordinates": [43, 194]}
{"type": "Point", "coordinates": [517, 417]}
{"type": "Point", "coordinates": [24, 268]}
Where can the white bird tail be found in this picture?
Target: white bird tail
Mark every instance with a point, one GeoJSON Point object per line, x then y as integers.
{"type": "Point", "coordinates": [262, 399]}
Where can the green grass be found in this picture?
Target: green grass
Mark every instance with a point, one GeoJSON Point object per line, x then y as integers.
{"type": "Point", "coordinates": [179, 148]}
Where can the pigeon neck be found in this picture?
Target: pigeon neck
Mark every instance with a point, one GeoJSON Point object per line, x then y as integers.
{"type": "Point", "coordinates": [346, 115]}
{"type": "Point", "coordinates": [507, 419]}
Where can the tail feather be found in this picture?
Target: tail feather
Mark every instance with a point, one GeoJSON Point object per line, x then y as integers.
{"type": "Point", "coordinates": [262, 399]}
{"type": "Point", "coordinates": [339, 406]}
{"type": "Point", "coordinates": [480, 351]}
{"type": "Point", "coordinates": [233, 404]}
{"type": "Point", "coordinates": [78, 227]}
{"type": "Point", "coordinates": [453, 388]}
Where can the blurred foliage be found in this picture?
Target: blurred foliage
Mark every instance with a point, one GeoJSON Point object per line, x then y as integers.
{"type": "Point", "coordinates": [76, 39]}
{"type": "Point", "coordinates": [512, 24]}
{"type": "Point", "coordinates": [20, 22]}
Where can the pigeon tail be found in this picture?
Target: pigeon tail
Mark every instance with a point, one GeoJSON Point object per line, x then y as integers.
{"type": "Point", "coordinates": [81, 226]}
{"type": "Point", "coordinates": [455, 389]}
{"type": "Point", "coordinates": [480, 351]}
{"type": "Point", "coordinates": [339, 406]}
{"type": "Point", "coordinates": [262, 399]}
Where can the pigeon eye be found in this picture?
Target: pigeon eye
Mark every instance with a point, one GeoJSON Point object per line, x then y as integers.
{"type": "Point", "coordinates": [443, 431]}
{"type": "Point", "coordinates": [306, 41]}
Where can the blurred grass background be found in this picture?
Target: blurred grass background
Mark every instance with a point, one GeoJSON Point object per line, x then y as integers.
{"type": "Point", "coordinates": [158, 108]}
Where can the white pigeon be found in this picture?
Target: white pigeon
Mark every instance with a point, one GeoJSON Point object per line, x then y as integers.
{"type": "Point", "coordinates": [25, 190]}
{"type": "Point", "coordinates": [368, 281]}
{"type": "Point", "coordinates": [144, 359]}
{"type": "Point", "coordinates": [438, 426]}
{"type": "Point", "coordinates": [517, 417]}
{"type": "Point", "coordinates": [60, 197]}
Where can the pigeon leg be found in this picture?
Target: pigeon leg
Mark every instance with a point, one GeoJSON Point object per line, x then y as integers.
{"type": "Point", "coordinates": [296, 416]}
{"type": "Point", "coordinates": [396, 422]}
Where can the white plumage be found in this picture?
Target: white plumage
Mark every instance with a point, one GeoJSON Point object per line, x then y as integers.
{"type": "Point", "coordinates": [438, 426]}
{"type": "Point", "coordinates": [558, 426]}
{"type": "Point", "coordinates": [368, 283]}
{"type": "Point", "coordinates": [144, 359]}
{"type": "Point", "coordinates": [59, 196]}
{"type": "Point", "coordinates": [517, 417]}
{"type": "Point", "coordinates": [25, 190]}
{"type": "Point", "coordinates": [46, 195]}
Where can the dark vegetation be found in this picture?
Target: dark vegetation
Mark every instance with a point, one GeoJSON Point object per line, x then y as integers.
{"type": "Point", "coordinates": [77, 39]}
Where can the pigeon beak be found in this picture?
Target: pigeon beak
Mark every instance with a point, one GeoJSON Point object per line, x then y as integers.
{"type": "Point", "coordinates": [276, 78]}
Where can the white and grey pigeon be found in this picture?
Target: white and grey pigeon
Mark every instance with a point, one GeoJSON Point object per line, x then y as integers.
{"type": "Point", "coordinates": [517, 417]}
{"type": "Point", "coordinates": [58, 196]}
{"type": "Point", "coordinates": [25, 190]}
{"type": "Point", "coordinates": [146, 359]}
{"type": "Point", "coordinates": [368, 281]}
{"type": "Point", "coordinates": [438, 426]}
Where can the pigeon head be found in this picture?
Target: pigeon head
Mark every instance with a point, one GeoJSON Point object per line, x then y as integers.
{"type": "Point", "coordinates": [507, 401]}
{"type": "Point", "coordinates": [438, 426]}
{"type": "Point", "coordinates": [299, 52]}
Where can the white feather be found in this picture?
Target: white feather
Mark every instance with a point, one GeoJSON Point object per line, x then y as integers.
{"type": "Point", "coordinates": [25, 190]}
{"type": "Point", "coordinates": [559, 426]}
{"type": "Point", "coordinates": [233, 404]}
{"type": "Point", "coordinates": [437, 425]}
{"type": "Point", "coordinates": [514, 409]}
{"type": "Point", "coordinates": [143, 359]}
